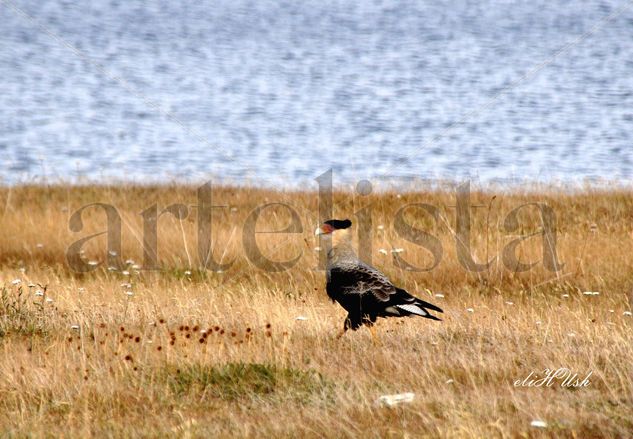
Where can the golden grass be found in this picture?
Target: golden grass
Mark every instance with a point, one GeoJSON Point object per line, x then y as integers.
{"type": "Point", "coordinates": [84, 358]}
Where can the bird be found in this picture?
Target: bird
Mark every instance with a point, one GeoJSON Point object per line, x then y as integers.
{"type": "Point", "coordinates": [363, 291]}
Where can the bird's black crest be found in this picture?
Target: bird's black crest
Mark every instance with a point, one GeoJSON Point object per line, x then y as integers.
{"type": "Point", "coordinates": [339, 224]}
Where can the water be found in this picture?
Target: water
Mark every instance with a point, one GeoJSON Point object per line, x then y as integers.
{"type": "Point", "coordinates": [278, 92]}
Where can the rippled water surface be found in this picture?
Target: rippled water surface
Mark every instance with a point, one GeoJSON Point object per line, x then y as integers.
{"type": "Point", "coordinates": [277, 92]}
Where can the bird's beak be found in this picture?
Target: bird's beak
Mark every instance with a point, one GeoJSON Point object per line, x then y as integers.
{"type": "Point", "coordinates": [323, 229]}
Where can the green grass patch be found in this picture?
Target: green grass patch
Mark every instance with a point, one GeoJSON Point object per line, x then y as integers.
{"type": "Point", "coordinates": [245, 380]}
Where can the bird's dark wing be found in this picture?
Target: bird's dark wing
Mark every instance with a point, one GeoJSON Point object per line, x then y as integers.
{"type": "Point", "coordinates": [375, 294]}
{"type": "Point", "coordinates": [358, 279]}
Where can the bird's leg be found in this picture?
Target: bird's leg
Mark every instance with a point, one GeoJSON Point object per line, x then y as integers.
{"type": "Point", "coordinates": [346, 325]}
{"type": "Point", "coordinates": [374, 337]}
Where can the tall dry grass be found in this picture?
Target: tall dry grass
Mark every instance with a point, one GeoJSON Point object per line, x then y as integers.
{"type": "Point", "coordinates": [188, 352]}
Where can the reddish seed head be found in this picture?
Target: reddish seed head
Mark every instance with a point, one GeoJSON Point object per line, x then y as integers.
{"type": "Point", "coordinates": [122, 328]}
{"type": "Point", "coordinates": [196, 328]}
{"type": "Point", "coordinates": [216, 328]}
{"type": "Point", "coordinates": [233, 334]}
{"type": "Point", "coordinates": [187, 328]}
{"type": "Point", "coordinates": [248, 329]}
{"type": "Point", "coordinates": [221, 331]}
{"type": "Point", "coordinates": [188, 336]}
{"type": "Point", "coordinates": [161, 321]}
{"type": "Point", "coordinates": [137, 339]}
{"type": "Point", "coordinates": [102, 325]}
{"type": "Point", "coordinates": [268, 325]}
{"type": "Point", "coordinates": [135, 368]}
{"type": "Point", "coordinates": [128, 358]}
{"type": "Point", "coordinates": [268, 334]}
{"type": "Point", "coordinates": [85, 377]}
{"type": "Point", "coordinates": [201, 340]}
{"type": "Point", "coordinates": [70, 339]}
{"type": "Point", "coordinates": [159, 348]}
{"type": "Point", "coordinates": [172, 342]}
{"type": "Point", "coordinates": [181, 328]}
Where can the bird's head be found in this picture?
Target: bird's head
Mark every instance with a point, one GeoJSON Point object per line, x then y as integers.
{"type": "Point", "coordinates": [331, 226]}
{"type": "Point", "coordinates": [338, 230]}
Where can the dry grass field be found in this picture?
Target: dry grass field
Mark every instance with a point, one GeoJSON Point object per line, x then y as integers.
{"type": "Point", "coordinates": [184, 352]}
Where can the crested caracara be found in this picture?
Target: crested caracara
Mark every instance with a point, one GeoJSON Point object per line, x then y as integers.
{"type": "Point", "coordinates": [363, 291]}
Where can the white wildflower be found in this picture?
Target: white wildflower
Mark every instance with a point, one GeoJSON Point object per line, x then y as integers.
{"type": "Point", "coordinates": [397, 250]}
{"type": "Point", "coordinates": [93, 263]}
{"type": "Point", "coordinates": [16, 281]}
{"type": "Point", "coordinates": [75, 327]}
{"type": "Point", "coordinates": [439, 295]}
{"type": "Point", "coordinates": [627, 313]}
{"type": "Point", "coordinates": [129, 261]}
{"type": "Point", "coordinates": [129, 293]}
{"type": "Point", "coordinates": [81, 289]}
{"type": "Point", "coordinates": [537, 423]}
{"type": "Point", "coordinates": [187, 273]}
{"type": "Point", "coordinates": [39, 245]}
{"type": "Point", "coordinates": [470, 310]}
{"type": "Point", "coordinates": [571, 334]}
{"type": "Point", "coordinates": [383, 251]}
{"type": "Point", "coordinates": [125, 273]}
{"type": "Point", "coordinates": [49, 300]}
{"type": "Point", "coordinates": [112, 253]}
{"type": "Point", "coordinates": [39, 293]}
{"type": "Point", "coordinates": [450, 381]}
{"type": "Point", "coordinates": [509, 303]}
{"type": "Point", "coordinates": [565, 296]}
{"type": "Point", "coordinates": [301, 318]}
{"type": "Point", "coordinates": [381, 227]}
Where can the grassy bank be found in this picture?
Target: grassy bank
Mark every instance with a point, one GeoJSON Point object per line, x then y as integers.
{"type": "Point", "coordinates": [179, 350]}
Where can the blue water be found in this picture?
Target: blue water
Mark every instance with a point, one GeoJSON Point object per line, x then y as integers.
{"type": "Point", "coordinates": [278, 92]}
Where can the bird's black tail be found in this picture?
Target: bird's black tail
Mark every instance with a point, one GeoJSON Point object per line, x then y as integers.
{"type": "Point", "coordinates": [412, 300]}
